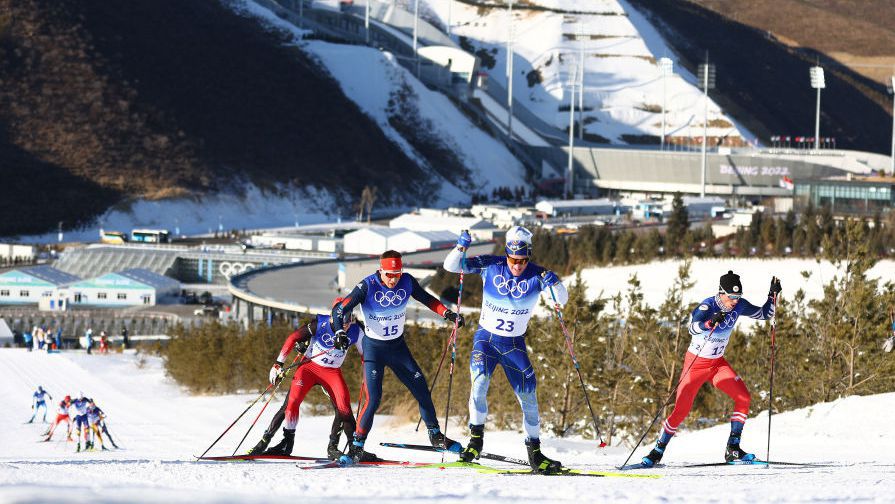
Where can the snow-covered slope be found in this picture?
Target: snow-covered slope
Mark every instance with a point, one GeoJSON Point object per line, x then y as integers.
{"type": "Point", "coordinates": [623, 87]}
{"type": "Point", "coordinates": [159, 428]}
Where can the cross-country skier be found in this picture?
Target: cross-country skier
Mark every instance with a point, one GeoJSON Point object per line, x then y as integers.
{"type": "Point", "coordinates": [511, 287]}
{"type": "Point", "coordinates": [39, 401]}
{"type": "Point", "coordinates": [94, 420]}
{"type": "Point", "coordinates": [83, 427]}
{"type": "Point", "coordinates": [383, 297]}
{"type": "Point", "coordinates": [711, 324]}
{"type": "Point", "coordinates": [61, 416]}
{"type": "Point", "coordinates": [328, 354]}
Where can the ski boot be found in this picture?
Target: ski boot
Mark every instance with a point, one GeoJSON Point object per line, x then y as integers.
{"type": "Point", "coordinates": [262, 445]}
{"type": "Point", "coordinates": [332, 449]}
{"type": "Point", "coordinates": [655, 455]}
{"type": "Point", "coordinates": [356, 454]}
{"type": "Point", "coordinates": [105, 449]}
{"type": "Point", "coordinates": [476, 440]}
{"type": "Point", "coordinates": [439, 440]}
{"type": "Point", "coordinates": [78, 448]}
{"type": "Point", "coordinates": [284, 447]}
{"type": "Point", "coordinates": [735, 453]}
{"type": "Point", "coordinates": [540, 463]}
{"type": "Point", "coordinates": [88, 445]}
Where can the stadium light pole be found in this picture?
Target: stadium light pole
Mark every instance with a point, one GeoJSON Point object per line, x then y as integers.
{"type": "Point", "coordinates": [366, 20]}
{"type": "Point", "coordinates": [666, 67]}
{"type": "Point", "coordinates": [416, 21]}
{"type": "Point", "coordinates": [892, 90]}
{"type": "Point", "coordinates": [706, 81]}
{"type": "Point", "coordinates": [817, 82]}
{"type": "Point", "coordinates": [580, 38]}
{"type": "Point", "coordinates": [450, 6]}
{"type": "Point", "coordinates": [510, 70]}
{"type": "Point", "coordinates": [572, 79]}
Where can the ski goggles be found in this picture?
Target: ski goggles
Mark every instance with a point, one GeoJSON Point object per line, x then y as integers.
{"type": "Point", "coordinates": [517, 260]}
{"type": "Point", "coordinates": [734, 296]}
{"type": "Point", "coordinates": [392, 274]}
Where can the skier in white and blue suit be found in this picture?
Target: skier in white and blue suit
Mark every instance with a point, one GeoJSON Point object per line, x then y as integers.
{"type": "Point", "coordinates": [511, 288]}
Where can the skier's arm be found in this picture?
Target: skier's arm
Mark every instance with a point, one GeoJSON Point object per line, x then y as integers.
{"type": "Point", "coordinates": [763, 312]}
{"type": "Point", "coordinates": [698, 318]}
{"type": "Point", "coordinates": [301, 334]}
{"type": "Point", "coordinates": [354, 298]}
{"type": "Point", "coordinates": [420, 294]}
{"type": "Point", "coordinates": [553, 286]}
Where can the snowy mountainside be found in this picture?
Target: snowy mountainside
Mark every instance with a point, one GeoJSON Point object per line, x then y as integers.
{"type": "Point", "coordinates": [160, 427]}
{"type": "Point", "coordinates": [623, 87]}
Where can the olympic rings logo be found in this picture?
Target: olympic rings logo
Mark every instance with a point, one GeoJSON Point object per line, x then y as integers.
{"type": "Point", "coordinates": [229, 269]}
{"type": "Point", "coordinates": [511, 286]}
{"type": "Point", "coordinates": [328, 339]}
{"type": "Point", "coordinates": [390, 298]}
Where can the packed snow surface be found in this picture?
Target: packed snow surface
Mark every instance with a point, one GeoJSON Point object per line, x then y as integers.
{"type": "Point", "coordinates": [160, 428]}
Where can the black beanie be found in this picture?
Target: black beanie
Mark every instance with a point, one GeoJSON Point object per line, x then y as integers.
{"type": "Point", "coordinates": [730, 284]}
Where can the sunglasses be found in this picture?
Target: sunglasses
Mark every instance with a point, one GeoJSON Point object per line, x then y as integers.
{"type": "Point", "coordinates": [513, 260]}
{"type": "Point", "coordinates": [734, 296]}
{"type": "Point", "coordinates": [393, 275]}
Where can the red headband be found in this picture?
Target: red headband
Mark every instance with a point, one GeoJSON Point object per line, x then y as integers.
{"type": "Point", "coordinates": [391, 264]}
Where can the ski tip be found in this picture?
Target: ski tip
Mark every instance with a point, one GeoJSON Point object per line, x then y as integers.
{"type": "Point", "coordinates": [602, 444]}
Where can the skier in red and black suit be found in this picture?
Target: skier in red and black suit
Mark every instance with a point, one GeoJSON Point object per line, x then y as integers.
{"type": "Point", "coordinates": [327, 353]}
{"type": "Point", "coordinates": [383, 297]}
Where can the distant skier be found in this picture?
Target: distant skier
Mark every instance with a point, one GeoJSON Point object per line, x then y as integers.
{"type": "Point", "coordinates": [711, 324]}
{"type": "Point", "coordinates": [95, 421]}
{"type": "Point", "coordinates": [88, 339]}
{"type": "Point", "coordinates": [61, 416]}
{"type": "Point", "coordinates": [325, 370]}
{"type": "Point", "coordinates": [383, 297]}
{"type": "Point", "coordinates": [512, 286]}
{"type": "Point", "coordinates": [39, 400]}
{"type": "Point", "coordinates": [80, 422]}
{"type": "Point", "coordinates": [889, 344]}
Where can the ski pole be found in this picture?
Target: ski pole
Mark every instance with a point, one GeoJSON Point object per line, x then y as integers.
{"type": "Point", "coordinates": [280, 382]}
{"type": "Point", "coordinates": [575, 364]}
{"type": "Point", "coordinates": [771, 387]}
{"type": "Point", "coordinates": [434, 379]}
{"type": "Point", "coordinates": [670, 398]}
{"type": "Point", "coordinates": [453, 343]}
{"type": "Point", "coordinates": [237, 418]}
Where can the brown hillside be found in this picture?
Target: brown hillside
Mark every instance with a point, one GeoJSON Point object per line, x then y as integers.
{"type": "Point", "coordinates": [155, 98]}
{"type": "Point", "coordinates": [859, 34]}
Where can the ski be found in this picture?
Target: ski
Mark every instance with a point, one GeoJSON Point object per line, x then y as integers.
{"type": "Point", "coordinates": [483, 455]}
{"type": "Point", "coordinates": [246, 458]}
{"type": "Point", "coordinates": [570, 472]}
{"type": "Point", "coordinates": [762, 463]}
{"type": "Point", "coordinates": [379, 463]}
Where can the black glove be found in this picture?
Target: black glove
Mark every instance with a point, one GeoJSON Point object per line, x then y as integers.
{"type": "Point", "coordinates": [302, 346]}
{"type": "Point", "coordinates": [454, 317]}
{"type": "Point", "coordinates": [341, 342]}
{"type": "Point", "coordinates": [775, 287]}
{"type": "Point", "coordinates": [716, 319]}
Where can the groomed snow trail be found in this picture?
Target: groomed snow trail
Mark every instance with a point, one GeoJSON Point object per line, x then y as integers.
{"type": "Point", "coordinates": [160, 427]}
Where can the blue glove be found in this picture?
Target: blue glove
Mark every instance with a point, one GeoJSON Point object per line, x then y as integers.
{"type": "Point", "coordinates": [465, 240]}
{"type": "Point", "coordinates": [550, 278]}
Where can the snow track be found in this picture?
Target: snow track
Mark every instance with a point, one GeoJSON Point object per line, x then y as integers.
{"type": "Point", "coordinates": [161, 427]}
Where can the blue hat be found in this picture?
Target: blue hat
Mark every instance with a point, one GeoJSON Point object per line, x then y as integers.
{"type": "Point", "coordinates": [518, 241]}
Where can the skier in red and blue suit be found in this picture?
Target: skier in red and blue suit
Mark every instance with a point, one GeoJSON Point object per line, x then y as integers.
{"type": "Point", "coordinates": [383, 298]}
{"type": "Point", "coordinates": [327, 353]}
{"type": "Point", "coordinates": [711, 325]}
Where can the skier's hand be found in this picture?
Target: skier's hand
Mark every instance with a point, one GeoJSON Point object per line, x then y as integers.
{"type": "Point", "coordinates": [454, 317]}
{"type": "Point", "coordinates": [550, 279]}
{"type": "Point", "coordinates": [302, 346]}
{"type": "Point", "coordinates": [276, 373]}
{"type": "Point", "coordinates": [465, 240]}
{"type": "Point", "coordinates": [716, 319]}
{"type": "Point", "coordinates": [775, 287]}
{"type": "Point", "coordinates": [341, 341]}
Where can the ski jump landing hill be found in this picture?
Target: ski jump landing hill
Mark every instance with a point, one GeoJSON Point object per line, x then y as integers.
{"type": "Point", "coordinates": [160, 427]}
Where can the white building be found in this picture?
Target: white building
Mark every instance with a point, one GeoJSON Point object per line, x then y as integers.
{"type": "Point", "coordinates": [699, 208]}
{"type": "Point", "coordinates": [505, 217]}
{"type": "Point", "coordinates": [411, 241]}
{"type": "Point", "coordinates": [370, 241]}
{"type": "Point", "coordinates": [559, 208]}
{"type": "Point", "coordinates": [10, 251]}
{"type": "Point", "coordinates": [29, 285]}
{"type": "Point", "coordinates": [295, 241]}
{"type": "Point", "coordinates": [131, 287]}
{"type": "Point", "coordinates": [478, 228]}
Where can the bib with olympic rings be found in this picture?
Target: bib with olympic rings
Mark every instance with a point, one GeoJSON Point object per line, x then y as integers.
{"type": "Point", "coordinates": [508, 301]}
{"type": "Point", "coordinates": [323, 340]}
{"type": "Point", "coordinates": [385, 309]}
